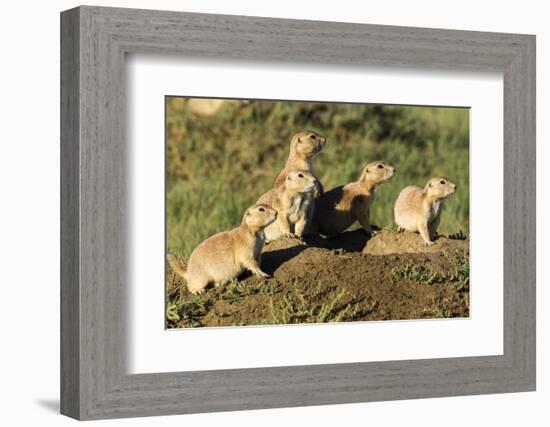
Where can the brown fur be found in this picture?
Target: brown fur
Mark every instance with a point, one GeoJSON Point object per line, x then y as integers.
{"type": "Point", "coordinates": [340, 207]}
{"type": "Point", "coordinates": [225, 255]}
{"type": "Point", "coordinates": [304, 146]}
{"type": "Point", "coordinates": [291, 200]}
{"type": "Point", "coordinates": [419, 209]}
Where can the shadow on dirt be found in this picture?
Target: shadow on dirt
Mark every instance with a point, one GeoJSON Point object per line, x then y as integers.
{"type": "Point", "coordinates": [281, 251]}
{"type": "Point", "coordinates": [273, 259]}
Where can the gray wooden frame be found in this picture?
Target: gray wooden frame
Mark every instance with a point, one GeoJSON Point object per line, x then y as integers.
{"type": "Point", "coordinates": [94, 41]}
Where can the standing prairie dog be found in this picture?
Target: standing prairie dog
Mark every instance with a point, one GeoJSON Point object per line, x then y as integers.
{"type": "Point", "coordinates": [342, 206]}
{"type": "Point", "coordinates": [303, 148]}
{"type": "Point", "coordinates": [419, 209]}
{"type": "Point", "coordinates": [225, 255]}
{"type": "Point", "coordinates": [291, 200]}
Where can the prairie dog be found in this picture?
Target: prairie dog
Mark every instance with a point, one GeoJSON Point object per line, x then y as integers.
{"type": "Point", "coordinates": [419, 209]}
{"type": "Point", "coordinates": [291, 200]}
{"type": "Point", "coordinates": [303, 148]}
{"type": "Point", "coordinates": [225, 255]}
{"type": "Point", "coordinates": [342, 206]}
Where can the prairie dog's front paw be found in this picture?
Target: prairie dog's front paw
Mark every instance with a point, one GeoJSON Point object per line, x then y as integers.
{"type": "Point", "coordinates": [429, 243]}
{"type": "Point", "coordinates": [299, 239]}
{"type": "Point", "coordinates": [263, 274]}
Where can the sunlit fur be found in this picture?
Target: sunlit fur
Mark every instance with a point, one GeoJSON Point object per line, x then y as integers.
{"type": "Point", "coordinates": [225, 255]}
{"type": "Point", "coordinates": [340, 207]}
{"type": "Point", "coordinates": [419, 209]}
{"type": "Point", "coordinates": [304, 146]}
{"type": "Point", "coordinates": [291, 200]}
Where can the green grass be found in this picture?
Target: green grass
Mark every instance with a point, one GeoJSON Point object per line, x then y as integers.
{"type": "Point", "coordinates": [293, 305]}
{"type": "Point", "coordinates": [458, 273]}
{"type": "Point", "coordinates": [187, 310]}
{"type": "Point", "coordinates": [219, 165]}
{"type": "Point", "coordinates": [316, 307]}
{"type": "Point", "coordinates": [416, 273]}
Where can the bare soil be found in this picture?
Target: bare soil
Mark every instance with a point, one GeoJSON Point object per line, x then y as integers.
{"type": "Point", "coordinates": [348, 278]}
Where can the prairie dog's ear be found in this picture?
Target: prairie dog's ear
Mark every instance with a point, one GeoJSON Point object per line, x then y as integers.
{"type": "Point", "coordinates": [430, 184]}
{"type": "Point", "coordinates": [364, 174]}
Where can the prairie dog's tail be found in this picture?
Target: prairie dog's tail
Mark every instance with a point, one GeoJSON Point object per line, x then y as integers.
{"type": "Point", "coordinates": [177, 265]}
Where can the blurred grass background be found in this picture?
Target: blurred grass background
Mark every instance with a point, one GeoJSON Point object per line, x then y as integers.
{"type": "Point", "coordinates": [219, 164]}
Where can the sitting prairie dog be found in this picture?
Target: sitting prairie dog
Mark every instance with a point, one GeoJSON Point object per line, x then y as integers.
{"type": "Point", "coordinates": [225, 255]}
{"type": "Point", "coordinates": [303, 148]}
{"type": "Point", "coordinates": [291, 200]}
{"type": "Point", "coordinates": [342, 206]}
{"type": "Point", "coordinates": [419, 209]}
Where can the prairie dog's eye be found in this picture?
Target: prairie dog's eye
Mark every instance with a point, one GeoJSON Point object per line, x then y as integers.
{"type": "Point", "coordinates": [442, 182]}
{"type": "Point", "coordinates": [261, 210]}
{"type": "Point", "coordinates": [313, 136]}
{"type": "Point", "coordinates": [380, 166]}
{"type": "Point", "coordinates": [300, 175]}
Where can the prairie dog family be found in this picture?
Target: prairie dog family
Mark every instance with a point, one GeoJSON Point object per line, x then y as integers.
{"type": "Point", "coordinates": [419, 209]}
{"type": "Point", "coordinates": [225, 255]}
{"type": "Point", "coordinates": [342, 206]}
{"type": "Point", "coordinates": [291, 200]}
{"type": "Point", "coordinates": [297, 204]}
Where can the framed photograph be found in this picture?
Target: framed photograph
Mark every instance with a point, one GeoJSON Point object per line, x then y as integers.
{"type": "Point", "coordinates": [261, 213]}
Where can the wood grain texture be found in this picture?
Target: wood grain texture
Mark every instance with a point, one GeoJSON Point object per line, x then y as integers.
{"type": "Point", "coordinates": [95, 237]}
{"type": "Point", "coordinates": [70, 221]}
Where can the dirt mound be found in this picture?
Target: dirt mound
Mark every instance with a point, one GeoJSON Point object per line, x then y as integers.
{"type": "Point", "coordinates": [338, 279]}
{"type": "Point", "coordinates": [388, 242]}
